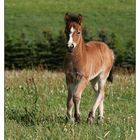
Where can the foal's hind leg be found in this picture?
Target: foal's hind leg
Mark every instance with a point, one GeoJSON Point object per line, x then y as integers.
{"type": "Point", "coordinates": [101, 105]}
{"type": "Point", "coordinates": [94, 84]}
{"type": "Point", "coordinates": [101, 111]}
{"type": "Point", "coordinates": [99, 101]}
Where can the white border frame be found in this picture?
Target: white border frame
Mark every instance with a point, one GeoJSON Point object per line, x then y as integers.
{"type": "Point", "coordinates": [2, 69]}
{"type": "Point", "coordinates": [137, 70]}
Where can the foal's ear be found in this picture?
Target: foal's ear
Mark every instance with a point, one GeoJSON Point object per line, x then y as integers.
{"type": "Point", "coordinates": [80, 19]}
{"type": "Point", "coordinates": [67, 18]}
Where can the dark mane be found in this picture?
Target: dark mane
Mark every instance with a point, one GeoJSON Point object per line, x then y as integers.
{"type": "Point", "coordinates": [73, 18]}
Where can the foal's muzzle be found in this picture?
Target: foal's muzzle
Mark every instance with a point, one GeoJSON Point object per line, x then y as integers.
{"type": "Point", "coordinates": [70, 48]}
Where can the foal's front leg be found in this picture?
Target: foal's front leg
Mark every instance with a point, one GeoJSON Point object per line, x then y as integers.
{"type": "Point", "coordinates": [70, 101]}
{"type": "Point", "coordinates": [77, 96]}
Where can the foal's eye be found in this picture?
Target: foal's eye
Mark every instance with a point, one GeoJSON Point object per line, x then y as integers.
{"type": "Point", "coordinates": [78, 33]}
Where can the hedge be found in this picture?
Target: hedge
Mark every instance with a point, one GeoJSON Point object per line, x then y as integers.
{"type": "Point", "coordinates": [50, 51]}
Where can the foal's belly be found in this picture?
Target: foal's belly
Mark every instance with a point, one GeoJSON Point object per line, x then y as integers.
{"type": "Point", "coordinates": [94, 75]}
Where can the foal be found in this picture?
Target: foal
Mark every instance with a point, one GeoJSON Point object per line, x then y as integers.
{"type": "Point", "coordinates": [92, 62]}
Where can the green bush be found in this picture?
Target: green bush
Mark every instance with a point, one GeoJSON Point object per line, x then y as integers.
{"type": "Point", "coordinates": [129, 54]}
{"type": "Point", "coordinates": [50, 51]}
{"type": "Point", "coordinates": [124, 56]}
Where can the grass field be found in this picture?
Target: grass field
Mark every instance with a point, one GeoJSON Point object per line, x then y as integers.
{"type": "Point", "coordinates": [32, 17]}
{"type": "Point", "coordinates": [35, 107]}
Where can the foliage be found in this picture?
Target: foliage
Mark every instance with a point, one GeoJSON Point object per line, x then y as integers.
{"type": "Point", "coordinates": [124, 56]}
{"type": "Point", "coordinates": [50, 51]}
{"type": "Point", "coordinates": [129, 54]}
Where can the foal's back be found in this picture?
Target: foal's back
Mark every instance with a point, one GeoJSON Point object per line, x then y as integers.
{"type": "Point", "coordinates": [99, 54]}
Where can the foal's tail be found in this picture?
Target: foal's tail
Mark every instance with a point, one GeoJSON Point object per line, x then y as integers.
{"type": "Point", "coordinates": [110, 77]}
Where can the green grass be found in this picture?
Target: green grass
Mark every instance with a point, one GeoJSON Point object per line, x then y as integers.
{"type": "Point", "coordinates": [35, 107]}
{"type": "Point", "coordinates": [32, 17]}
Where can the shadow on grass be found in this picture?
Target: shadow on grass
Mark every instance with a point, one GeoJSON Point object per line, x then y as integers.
{"type": "Point", "coordinates": [30, 118]}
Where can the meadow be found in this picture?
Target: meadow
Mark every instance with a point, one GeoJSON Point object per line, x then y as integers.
{"type": "Point", "coordinates": [33, 17]}
{"type": "Point", "coordinates": [35, 108]}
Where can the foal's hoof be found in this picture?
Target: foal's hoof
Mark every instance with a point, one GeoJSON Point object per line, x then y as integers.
{"type": "Point", "coordinates": [77, 118]}
{"type": "Point", "coordinates": [100, 120]}
{"type": "Point", "coordinates": [90, 120]}
{"type": "Point", "coordinates": [69, 120]}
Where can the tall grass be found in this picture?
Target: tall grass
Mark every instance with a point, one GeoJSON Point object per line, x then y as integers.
{"type": "Point", "coordinates": [35, 107]}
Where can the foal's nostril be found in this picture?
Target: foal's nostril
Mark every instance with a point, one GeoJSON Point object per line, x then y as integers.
{"type": "Point", "coordinates": [72, 46]}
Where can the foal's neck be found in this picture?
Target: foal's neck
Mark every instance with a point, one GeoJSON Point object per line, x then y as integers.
{"type": "Point", "coordinates": [79, 56]}
{"type": "Point", "coordinates": [80, 49]}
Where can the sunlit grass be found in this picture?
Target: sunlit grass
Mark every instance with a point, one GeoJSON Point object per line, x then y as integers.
{"type": "Point", "coordinates": [45, 118]}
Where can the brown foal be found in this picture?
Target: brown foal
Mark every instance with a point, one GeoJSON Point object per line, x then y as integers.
{"type": "Point", "coordinates": [85, 62]}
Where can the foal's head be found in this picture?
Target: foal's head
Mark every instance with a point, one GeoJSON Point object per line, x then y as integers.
{"type": "Point", "coordinates": [73, 30]}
